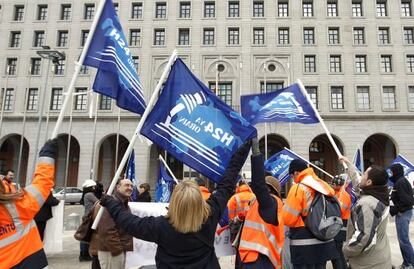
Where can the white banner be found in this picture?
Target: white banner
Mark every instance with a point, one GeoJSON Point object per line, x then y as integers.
{"type": "Point", "coordinates": [144, 252]}
{"type": "Point", "coordinates": [54, 231]}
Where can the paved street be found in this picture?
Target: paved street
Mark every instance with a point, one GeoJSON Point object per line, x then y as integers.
{"type": "Point", "coordinates": [68, 259]}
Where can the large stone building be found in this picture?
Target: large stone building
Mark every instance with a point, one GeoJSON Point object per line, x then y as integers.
{"type": "Point", "coordinates": [355, 57]}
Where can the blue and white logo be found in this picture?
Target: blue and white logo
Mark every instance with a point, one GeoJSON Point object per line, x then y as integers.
{"type": "Point", "coordinates": [278, 165]}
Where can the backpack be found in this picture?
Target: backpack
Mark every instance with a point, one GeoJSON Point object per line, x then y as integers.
{"type": "Point", "coordinates": [324, 219]}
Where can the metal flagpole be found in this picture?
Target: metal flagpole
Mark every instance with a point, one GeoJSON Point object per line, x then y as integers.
{"type": "Point", "coordinates": [117, 138]}
{"type": "Point", "coordinates": [136, 133]}
{"type": "Point", "coordinates": [168, 168]}
{"type": "Point", "coordinates": [3, 101]}
{"type": "Point", "coordinates": [328, 134]}
{"type": "Point", "coordinates": [92, 166]}
{"type": "Point", "coordinates": [265, 90]}
{"type": "Point", "coordinates": [22, 137]}
{"type": "Point", "coordinates": [320, 169]}
{"type": "Point", "coordinates": [68, 147]}
{"type": "Point", "coordinates": [78, 66]}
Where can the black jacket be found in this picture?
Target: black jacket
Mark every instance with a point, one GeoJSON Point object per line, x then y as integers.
{"type": "Point", "coordinates": [144, 197]}
{"type": "Point", "coordinates": [177, 250]}
{"type": "Point", "coordinates": [401, 196]}
{"type": "Point", "coordinates": [45, 212]}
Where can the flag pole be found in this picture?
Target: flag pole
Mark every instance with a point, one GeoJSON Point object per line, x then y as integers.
{"type": "Point", "coordinates": [265, 90]}
{"type": "Point", "coordinates": [19, 164]}
{"type": "Point", "coordinates": [78, 66]}
{"type": "Point", "coordinates": [3, 101]}
{"type": "Point", "coordinates": [328, 134]}
{"type": "Point", "coordinates": [136, 133]}
{"type": "Point", "coordinates": [315, 166]}
{"type": "Point", "coordinates": [117, 138]}
{"type": "Point", "coordinates": [168, 168]}
{"type": "Point", "coordinates": [95, 121]}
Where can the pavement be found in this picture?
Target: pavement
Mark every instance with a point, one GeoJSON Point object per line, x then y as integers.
{"type": "Point", "coordinates": [69, 258]}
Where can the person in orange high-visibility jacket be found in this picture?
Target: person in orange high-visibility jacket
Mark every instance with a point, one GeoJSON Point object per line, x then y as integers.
{"type": "Point", "coordinates": [344, 198]}
{"type": "Point", "coordinates": [8, 186]}
{"type": "Point", "coordinates": [262, 236]}
{"type": "Point", "coordinates": [202, 186]}
{"type": "Point", "coordinates": [239, 202]}
{"type": "Point", "coordinates": [20, 244]}
{"type": "Point", "coordinates": [305, 249]}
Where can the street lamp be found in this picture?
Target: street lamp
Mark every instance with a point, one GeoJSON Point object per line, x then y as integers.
{"type": "Point", "coordinates": [55, 57]}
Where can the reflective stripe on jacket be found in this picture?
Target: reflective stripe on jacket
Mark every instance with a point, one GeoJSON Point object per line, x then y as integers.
{"type": "Point", "coordinates": [204, 192]}
{"type": "Point", "coordinates": [345, 201]}
{"type": "Point", "coordinates": [239, 202]}
{"type": "Point", "coordinates": [19, 237]}
{"type": "Point", "coordinates": [261, 237]}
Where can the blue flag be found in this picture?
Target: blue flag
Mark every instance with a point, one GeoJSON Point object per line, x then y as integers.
{"type": "Point", "coordinates": [351, 190]}
{"type": "Point", "coordinates": [194, 125]}
{"type": "Point", "coordinates": [408, 167]}
{"type": "Point", "coordinates": [130, 174]}
{"type": "Point", "coordinates": [278, 165]}
{"type": "Point", "coordinates": [288, 104]}
{"type": "Point", "coordinates": [358, 162]}
{"type": "Point", "coordinates": [109, 53]}
{"type": "Point", "coordinates": [165, 186]}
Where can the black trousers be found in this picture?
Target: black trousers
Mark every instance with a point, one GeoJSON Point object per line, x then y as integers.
{"type": "Point", "coordinates": [340, 262]}
{"type": "Point", "coordinates": [310, 266]}
{"type": "Point", "coordinates": [41, 226]}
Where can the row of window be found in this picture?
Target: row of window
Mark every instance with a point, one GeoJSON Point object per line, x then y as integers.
{"type": "Point", "coordinates": [209, 10]}
{"type": "Point", "coordinates": [309, 63]}
{"type": "Point", "coordinates": [225, 90]}
{"type": "Point", "coordinates": [80, 101]}
{"type": "Point", "coordinates": [233, 36]}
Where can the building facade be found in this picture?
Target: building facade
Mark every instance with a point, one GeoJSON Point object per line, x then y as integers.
{"type": "Point", "coordinates": [355, 57]}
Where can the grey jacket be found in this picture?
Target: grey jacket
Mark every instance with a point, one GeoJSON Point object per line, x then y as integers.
{"type": "Point", "coordinates": [367, 244]}
{"type": "Point", "coordinates": [88, 201]}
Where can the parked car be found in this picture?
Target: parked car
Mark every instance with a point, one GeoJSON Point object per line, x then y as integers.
{"type": "Point", "coordinates": [73, 194]}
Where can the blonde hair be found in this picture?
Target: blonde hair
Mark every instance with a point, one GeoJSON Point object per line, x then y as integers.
{"type": "Point", "coordinates": [187, 210]}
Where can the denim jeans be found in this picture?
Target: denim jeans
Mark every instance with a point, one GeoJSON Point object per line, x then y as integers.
{"type": "Point", "coordinates": [402, 222]}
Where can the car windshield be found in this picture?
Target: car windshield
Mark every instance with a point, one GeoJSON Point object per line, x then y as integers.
{"type": "Point", "coordinates": [57, 189]}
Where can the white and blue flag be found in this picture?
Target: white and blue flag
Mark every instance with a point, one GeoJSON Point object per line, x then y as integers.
{"type": "Point", "coordinates": [288, 105]}
{"type": "Point", "coordinates": [130, 174]}
{"type": "Point", "coordinates": [109, 53]}
{"type": "Point", "coordinates": [278, 165]}
{"type": "Point", "coordinates": [358, 162]}
{"type": "Point", "coordinates": [165, 186]}
{"type": "Point", "coordinates": [408, 166]}
{"type": "Point", "coordinates": [194, 125]}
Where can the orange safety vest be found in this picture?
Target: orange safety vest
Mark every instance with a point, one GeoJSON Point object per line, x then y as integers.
{"type": "Point", "coordinates": [19, 237]}
{"type": "Point", "coordinates": [345, 201]}
{"type": "Point", "coordinates": [259, 236]}
{"type": "Point", "coordinates": [300, 197]}
{"type": "Point", "coordinates": [240, 202]}
{"type": "Point", "coordinates": [8, 187]}
{"type": "Point", "coordinates": [204, 192]}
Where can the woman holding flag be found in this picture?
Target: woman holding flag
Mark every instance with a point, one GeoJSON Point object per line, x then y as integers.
{"type": "Point", "coordinates": [185, 236]}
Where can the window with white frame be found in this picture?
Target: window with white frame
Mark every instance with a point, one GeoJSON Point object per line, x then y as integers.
{"type": "Point", "coordinates": [307, 8]}
{"type": "Point", "coordinates": [105, 102]}
{"type": "Point", "coordinates": [135, 61]}
{"type": "Point", "coordinates": [258, 36]}
{"type": "Point", "coordinates": [89, 11]}
{"type": "Point", "coordinates": [60, 68]}
{"type": "Point", "coordinates": [335, 65]}
{"type": "Point", "coordinates": [258, 9]}
{"type": "Point", "coordinates": [386, 63]}
{"type": "Point", "coordinates": [209, 9]}
{"type": "Point", "coordinates": [56, 99]}
{"type": "Point", "coordinates": [15, 39]}
{"type": "Point", "coordinates": [41, 12]}
{"type": "Point", "coordinates": [388, 97]}
{"type": "Point", "coordinates": [84, 36]}
{"type": "Point", "coordinates": [159, 37]}
{"type": "Point", "coordinates": [18, 13]}
{"type": "Point", "coordinates": [384, 35]}
{"type": "Point", "coordinates": [65, 12]}
{"type": "Point", "coordinates": [313, 94]}
{"type": "Point", "coordinates": [309, 36]}
{"type": "Point", "coordinates": [333, 35]}
{"type": "Point", "coordinates": [363, 98]}
{"type": "Point", "coordinates": [136, 10]}
{"type": "Point", "coordinates": [185, 10]}
{"type": "Point", "coordinates": [332, 8]}
{"type": "Point", "coordinates": [81, 99]}
{"type": "Point", "coordinates": [225, 91]}
{"type": "Point", "coordinates": [381, 8]}
{"type": "Point", "coordinates": [11, 67]}
{"type": "Point", "coordinates": [410, 63]}
{"type": "Point", "coordinates": [283, 9]}
{"type": "Point", "coordinates": [32, 99]}
{"type": "Point", "coordinates": [35, 66]}
{"type": "Point", "coordinates": [357, 8]}
{"type": "Point", "coordinates": [411, 97]}
{"type": "Point", "coordinates": [406, 8]}
{"type": "Point", "coordinates": [183, 36]}
{"type": "Point", "coordinates": [271, 86]}
{"type": "Point", "coordinates": [234, 9]}
{"type": "Point", "coordinates": [38, 38]}
{"type": "Point", "coordinates": [359, 35]}
{"type": "Point", "coordinates": [408, 35]}
{"type": "Point", "coordinates": [63, 38]}
{"type": "Point", "coordinates": [234, 36]}
{"type": "Point", "coordinates": [360, 63]}
{"type": "Point", "coordinates": [337, 97]}
{"type": "Point", "coordinates": [310, 63]}
{"type": "Point", "coordinates": [161, 10]}
{"type": "Point", "coordinates": [135, 37]}
{"type": "Point", "coordinates": [208, 36]}
{"type": "Point", "coordinates": [283, 36]}
{"type": "Point", "coordinates": [8, 99]}
{"type": "Point", "coordinates": [84, 70]}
